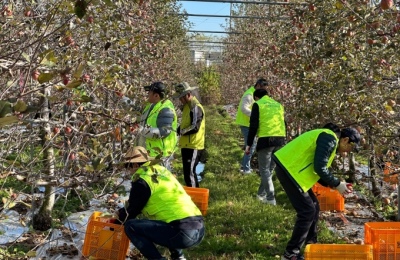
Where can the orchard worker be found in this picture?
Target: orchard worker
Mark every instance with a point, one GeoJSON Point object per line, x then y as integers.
{"type": "Point", "coordinates": [174, 221]}
{"type": "Point", "coordinates": [158, 124]}
{"type": "Point", "coordinates": [299, 165]}
{"type": "Point", "coordinates": [243, 120]}
{"type": "Point", "coordinates": [267, 122]}
{"type": "Point", "coordinates": [191, 131]}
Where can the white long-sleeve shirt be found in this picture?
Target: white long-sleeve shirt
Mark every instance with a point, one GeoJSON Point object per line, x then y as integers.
{"type": "Point", "coordinates": [247, 102]}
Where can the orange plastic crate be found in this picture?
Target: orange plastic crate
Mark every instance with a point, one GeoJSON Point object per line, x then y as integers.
{"type": "Point", "coordinates": [338, 252]}
{"type": "Point", "coordinates": [329, 199]}
{"type": "Point", "coordinates": [199, 197]}
{"type": "Point", "coordinates": [104, 240]}
{"type": "Point", "coordinates": [384, 238]}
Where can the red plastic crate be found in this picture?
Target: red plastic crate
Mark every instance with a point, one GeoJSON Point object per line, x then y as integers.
{"type": "Point", "coordinates": [338, 252]}
{"type": "Point", "coordinates": [328, 198]}
{"type": "Point", "coordinates": [384, 238]}
{"type": "Point", "coordinates": [104, 240]}
{"type": "Point", "coordinates": [199, 197]}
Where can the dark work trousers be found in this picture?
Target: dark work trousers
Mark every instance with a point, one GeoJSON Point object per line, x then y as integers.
{"type": "Point", "coordinates": [307, 208]}
{"type": "Point", "coordinates": [190, 159]}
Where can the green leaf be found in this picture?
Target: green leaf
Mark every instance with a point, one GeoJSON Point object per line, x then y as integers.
{"type": "Point", "coordinates": [20, 106]}
{"type": "Point", "coordinates": [45, 77]}
{"type": "Point", "coordinates": [74, 84]}
{"type": "Point", "coordinates": [48, 58]}
{"type": "Point", "coordinates": [5, 108]}
{"type": "Point", "coordinates": [26, 57]}
{"type": "Point", "coordinates": [80, 8]}
{"type": "Point", "coordinates": [78, 73]}
{"type": "Point", "coordinates": [8, 120]}
{"type": "Point", "coordinates": [85, 98]}
{"type": "Point", "coordinates": [30, 108]}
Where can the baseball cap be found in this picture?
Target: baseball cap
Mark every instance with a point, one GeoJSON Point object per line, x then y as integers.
{"type": "Point", "coordinates": [353, 135]}
{"type": "Point", "coordinates": [262, 82]}
{"type": "Point", "coordinates": [157, 87]}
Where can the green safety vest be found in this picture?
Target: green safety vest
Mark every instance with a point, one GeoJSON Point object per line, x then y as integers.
{"type": "Point", "coordinates": [242, 119]}
{"type": "Point", "coordinates": [168, 200]}
{"type": "Point", "coordinates": [168, 143]}
{"type": "Point", "coordinates": [196, 140]}
{"type": "Point", "coordinates": [297, 157]}
{"type": "Point", "coordinates": [271, 119]}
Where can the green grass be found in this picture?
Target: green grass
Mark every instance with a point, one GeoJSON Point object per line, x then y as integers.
{"type": "Point", "coordinates": [238, 226]}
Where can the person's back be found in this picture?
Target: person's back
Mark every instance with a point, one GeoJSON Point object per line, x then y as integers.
{"type": "Point", "coordinates": [173, 220]}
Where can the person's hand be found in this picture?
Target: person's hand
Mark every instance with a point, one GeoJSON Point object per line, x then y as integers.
{"type": "Point", "coordinates": [247, 150]}
{"type": "Point", "coordinates": [344, 188]}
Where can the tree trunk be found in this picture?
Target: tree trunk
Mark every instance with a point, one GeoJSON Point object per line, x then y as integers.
{"type": "Point", "coordinates": [43, 220]}
{"type": "Point", "coordinates": [352, 168]}
{"type": "Point", "coordinates": [376, 191]}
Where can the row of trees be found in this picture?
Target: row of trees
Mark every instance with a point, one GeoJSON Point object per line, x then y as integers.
{"type": "Point", "coordinates": [327, 61]}
{"type": "Point", "coordinates": [66, 68]}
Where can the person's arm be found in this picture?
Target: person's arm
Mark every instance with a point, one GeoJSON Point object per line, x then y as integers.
{"type": "Point", "coordinates": [139, 195]}
{"type": "Point", "coordinates": [326, 144]}
{"type": "Point", "coordinates": [164, 125]}
{"type": "Point", "coordinates": [254, 123]}
{"type": "Point", "coordinates": [196, 116]}
{"type": "Point", "coordinates": [247, 102]}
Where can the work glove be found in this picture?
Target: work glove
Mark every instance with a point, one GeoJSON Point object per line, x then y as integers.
{"type": "Point", "coordinates": [344, 188]}
{"type": "Point", "coordinates": [151, 132]}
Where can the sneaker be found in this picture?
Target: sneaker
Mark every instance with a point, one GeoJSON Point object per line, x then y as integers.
{"type": "Point", "coordinates": [247, 172]}
{"type": "Point", "coordinates": [261, 197]}
{"type": "Point", "coordinates": [182, 257]}
{"type": "Point", "coordinates": [288, 256]}
{"type": "Point", "coordinates": [270, 202]}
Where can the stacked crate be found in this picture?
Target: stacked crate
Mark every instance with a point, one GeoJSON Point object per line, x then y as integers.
{"type": "Point", "coordinates": [338, 252]}
{"type": "Point", "coordinates": [384, 238]}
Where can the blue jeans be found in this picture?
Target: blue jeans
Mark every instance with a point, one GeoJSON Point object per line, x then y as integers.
{"type": "Point", "coordinates": [247, 157]}
{"type": "Point", "coordinates": [145, 234]}
{"type": "Point", "coordinates": [266, 166]}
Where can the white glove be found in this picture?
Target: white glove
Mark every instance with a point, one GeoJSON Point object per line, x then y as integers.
{"type": "Point", "coordinates": [342, 188]}
{"type": "Point", "coordinates": [151, 132]}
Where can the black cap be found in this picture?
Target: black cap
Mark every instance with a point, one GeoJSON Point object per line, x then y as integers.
{"type": "Point", "coordinates": [353, 135]}
{"type": "Point", "coordinates": [157, 87]}
{"type": "Point", "coordinates": [262, 82]}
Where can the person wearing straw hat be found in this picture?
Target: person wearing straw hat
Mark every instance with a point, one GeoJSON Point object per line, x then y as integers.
{"type": "Point", "coordinates": [173, 220]}
{"type": "Point", "coordinates": [191, 131]}
{"type": "Point", "coordinates": [158, 124]}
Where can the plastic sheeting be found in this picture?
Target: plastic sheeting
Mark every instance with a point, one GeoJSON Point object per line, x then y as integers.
{"type": "Point", "coordinates": [10, 227]}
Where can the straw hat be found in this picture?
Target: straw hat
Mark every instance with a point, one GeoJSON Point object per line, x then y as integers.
{"type": "Point", "coordinates": [182, 89]}
{"type": "Point", "coordinates": [137, 154]}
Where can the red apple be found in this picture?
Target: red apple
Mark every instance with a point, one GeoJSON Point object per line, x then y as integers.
{"type": "Point", "coordinates": [68, 130]}
{"type": "Point", "coordinates": [90, 19]}
{"type": "Point", "coordinates": [312, 7]}
{"type": "Point", "coordinates": [86, 78]}
{"type": "Point", "coordinates": [56, 130]}
{"type": "Point", "coordinates": [35, 74]}
{"type": "Point", "coordinates": [72, 156]}
{"type": "Point", "coordinates": [69, 102]}
{"type": "Point", "coordinates": [386, 4]}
